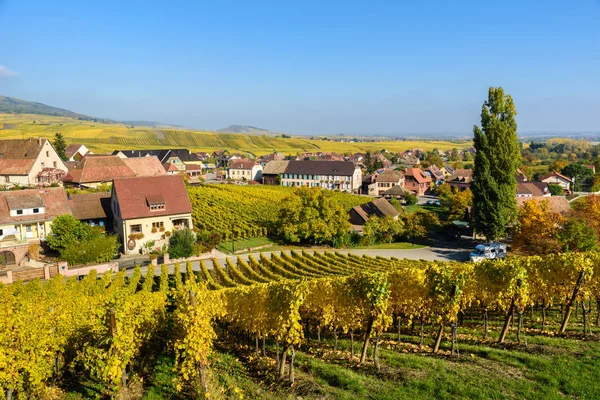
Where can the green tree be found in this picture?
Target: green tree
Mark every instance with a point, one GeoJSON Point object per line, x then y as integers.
{"type": "Point", "coordinates": [60, 145]}
{"type": "Point", "coordinates": [410, 199]}
{"type": "Point", "coordinates": [312, 215]}
{"type": "Point", "coordinates": [383, 230]}
{"type": "Point", "coordinates": [181, 244]}
{"type": "Point", "coordinates": [66, 230]}
{"type": "Point", "coordinates": [497, 158]}
{"type": "Point", "coordinates": [576, 235]}
{"type": "Point", "coordinates": [459, 202]}
{"type": "Point", "coordinates": [555, 189]}
{"type": "Point", "coordinates": [97, 249]}
{"type": "Point", "coordinates": [582, 175]}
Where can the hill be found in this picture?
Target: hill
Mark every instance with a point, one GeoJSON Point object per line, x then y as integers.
{"type": "Point", "coordinates": [244, 129]}
{"type": "Point", "coordinates": [13, 105]}
{"type": "Point", "coordinates": [151, 124]}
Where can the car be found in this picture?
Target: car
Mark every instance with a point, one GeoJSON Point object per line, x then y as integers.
{"type": "Point", "coordinates": [429, 202]}
{"type": "Point", "coordinates": [436, 202]}
{"type": "Point", "coordinates": [488, 251]}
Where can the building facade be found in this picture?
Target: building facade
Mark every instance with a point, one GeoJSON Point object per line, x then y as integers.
{"type": "Point", "coordinates": [333, 175]}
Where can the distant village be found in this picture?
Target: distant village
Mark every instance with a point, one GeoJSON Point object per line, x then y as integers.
{"type": "Point", "coordinates": [144, 190]}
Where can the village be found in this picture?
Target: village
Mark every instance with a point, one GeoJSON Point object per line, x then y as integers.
{"type": "Point", "coordinates": [138, 194]}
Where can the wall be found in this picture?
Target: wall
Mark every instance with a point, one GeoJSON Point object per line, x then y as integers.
{"type": "Point", "coordinates": [64, 269]}
{"type": "Point", "coordinates": [146, 223]}
{"type": "Point", "coordinates": [47, 160]}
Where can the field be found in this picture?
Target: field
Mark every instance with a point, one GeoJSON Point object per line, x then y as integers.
{"type": "Point", "coordinates": [103, 138]}
{"type": "Point", "coordinates": [310, 325]}
{"type": "Point", "coordinates": [241, 212]}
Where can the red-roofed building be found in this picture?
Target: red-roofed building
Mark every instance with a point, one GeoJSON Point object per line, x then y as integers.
{"type": "Point", "coordinates": [145, 208]}
{"type": "Point", "coordinates": [557, 179]}
{"type": "Point", "coordinates": [76, 152]}
{"type": "Point", "coordinates": [416, 181]}
{"type": "Point", "coordinates": [171, 169]}
{"type": "Point", "coordinates": [244, 170]}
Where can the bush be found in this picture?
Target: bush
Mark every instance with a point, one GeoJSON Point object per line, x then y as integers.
{"type": "Point", "coordinates": [181, 244]}
{"type": "Point", "coordinates": [410, 199]}
{"type": "Point", "coordinates": [555, 189]}
{"type": "Point", "coordinates": [67, 230]}
{"type": "Point", "coordinates": [206, 241]}
{"type": "Point", "coordinates": [97, 249]}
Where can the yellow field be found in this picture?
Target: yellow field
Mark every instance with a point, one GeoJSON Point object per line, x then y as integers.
{"type": "Point", "coordinates": [104, 138]}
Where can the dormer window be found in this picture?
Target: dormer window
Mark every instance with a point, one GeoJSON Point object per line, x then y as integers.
{"type": "Point", "coordinates": [156, 202]}
{"type": "Point", "coordinates": [19, 212]}
{"type": "Point", "coordinates": [36, 210]}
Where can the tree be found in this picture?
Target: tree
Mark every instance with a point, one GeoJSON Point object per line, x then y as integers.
{"type": "Point", "coordinates": [435, 159]}
{"type": "Point", "coordinates": [60, 145]}
{"type": "Point", "coordinates": [396, 204]}
{"type": "Point", "coordinates": [497, 158]}
{"type": "Point", "coordinates": [181, 244]}
{"type": "Point", "coordinates": [410, 199]}
{"type": "Point", "coordinates": [312, 215]}
{"type": "Point", "coordinates": [66, 230]}
{"type": "Point", "coordinates": [577, 236]}
{"type": "Point", "coordinates": [555, 189]}
{"type": "Point", "coordinates": [582, 175]}
{"type": "Point", "coordinates": [537, 228]}
{"type": "Point", "coordinates": [99, 248]}
{"type": "Point", "coordinates": [383, 230]}
{"type": "Point", "coordinates": [459, 202]}
{"type": "Point", "coordinates": [558, 165]}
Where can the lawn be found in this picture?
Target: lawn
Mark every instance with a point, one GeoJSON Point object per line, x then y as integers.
{"type": "Point", "coordinates": [390, 246]}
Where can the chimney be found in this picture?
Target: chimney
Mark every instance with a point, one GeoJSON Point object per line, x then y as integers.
{"type": "Point", "coordinates": [40, 140]}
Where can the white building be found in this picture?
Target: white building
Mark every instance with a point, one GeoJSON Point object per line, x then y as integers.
{"type": "Point", "coordinates": [334, 175]}
{"type": "Point", "coordinates": [244, 170]}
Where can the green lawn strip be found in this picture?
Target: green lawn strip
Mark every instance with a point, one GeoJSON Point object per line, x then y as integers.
{"type": "Point", "coordinates": [391, 246]}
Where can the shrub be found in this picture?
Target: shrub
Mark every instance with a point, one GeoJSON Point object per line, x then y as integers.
{"type": "Point", "coordinates": [410, 199]}
{"type": "Point", "coordinates": [181, 244]}
{"type": "Point", "coordinates": [206, 241]}
{"type": "Point", "coordinates": [555, 189]}
{"type": "Point", "coordinates": [99, 249]}
{"type": "Point", "coordinates": [67, 230]}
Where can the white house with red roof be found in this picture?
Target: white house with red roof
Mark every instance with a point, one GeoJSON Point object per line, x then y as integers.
{"type": "Point", "coordinates": [557, 179]}
{"type": "Point", "coordinates": [244, 170]}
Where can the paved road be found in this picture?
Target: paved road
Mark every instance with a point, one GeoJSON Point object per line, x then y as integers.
{"type": "Point", "coordinates": [450, 252]}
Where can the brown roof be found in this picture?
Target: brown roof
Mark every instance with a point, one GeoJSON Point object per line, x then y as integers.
{"type": "Point", "coordinates": [340, 168]}
{"type": "Point", "coordinates": [275, 167]}
{"type": "Point", "coordinates": [17, 156]}
{"type": "Point", "coordinates": [461, 175]}
{"type": "Point", "coordinates": [242, 163]}
{"type": "Point", "coordinates": [133, 194]}
{"type": "Point", "coordinates": [145, 166]}
{"type": "Point", "coordinates": [91, 205]}
{"type": "Point", "coordinates": [555, 174]}
{"type": "Point", "coordinates": [536, 189]}
{"type": "Point", "coordinates": [376, 208]}
{"type": "Point", "coordinates": [54, 200]}
{"type": "Point", "coordinates": [558, 204]}
{"type": "Point", "coordinates": [169, 167]}
{"type": "Point", "coordinates": [418, 174]}
{"type": "Point", "coordinates": [390, 175]}
{"type": "Point", "coordinates": [435, 171]}
{"type": "Point", "coordinates": [72, 149]}
{"type": "Point", "coordinates": [94, 168]}
{"type": "Point", "coordinates": [193, 167]}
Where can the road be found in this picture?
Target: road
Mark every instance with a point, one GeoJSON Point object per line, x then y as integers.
{"type": "Point", "coordinates": [440, 252]}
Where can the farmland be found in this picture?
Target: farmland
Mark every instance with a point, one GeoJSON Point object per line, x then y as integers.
{"type": "Point", "coordinates": [102, 138]}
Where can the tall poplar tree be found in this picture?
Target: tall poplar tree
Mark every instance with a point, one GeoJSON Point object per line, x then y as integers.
{"type": "Point", "coordinates": [60, 145]}
{"type": "Point", "coordinates": [496, 161]}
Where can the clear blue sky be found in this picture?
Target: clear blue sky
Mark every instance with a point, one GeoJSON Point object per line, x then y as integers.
{"type": "Point", "coordinates": [307, 66]}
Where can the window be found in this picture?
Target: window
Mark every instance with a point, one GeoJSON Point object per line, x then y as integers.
{"type": "Point", "coordinates": [36, 210]}
{"type": "Point", "coordinates": [19, 212]}
{"type": "Point", "coordinates": [135, 228]}
{"type": "Point", "coordinates": [157, 206]}
{"type": "Point", "coordinates": [47, 154]}
{"type": "Point", "coordinates": [1, 232]}
{"type": "Point", "coordinates": [43, 164]}
{"type": "Point", "coordinates": [158, 225]}
{"type": "Point", "coordinates": [55, 164]}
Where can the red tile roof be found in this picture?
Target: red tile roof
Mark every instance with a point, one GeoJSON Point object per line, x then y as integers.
{"type": "Point", "coordinates": [376, 208]}
{"type": "Point", "coordinates": [242, 163]}
{"type": "Point", "coordinates": [145, 166]}
{"type": "Point", "coordinates": [72, 149]}
{"type": "Point", "coordinates": [17, 156]}
{"type": "Point", "coordinates": [102, 168]}
{"type": "Point", "coordinates": [390, 176]}
{"type": "Point", "coordinates": [169, 167]}
{"type": "Point", "coordinates": [133, 193]}
{"type": "Point", "coordinates": [54, 200]}
{"type": "Point", "coordinates": [417, 174]}
{"type": "Point", "coordinates": [91, 205]}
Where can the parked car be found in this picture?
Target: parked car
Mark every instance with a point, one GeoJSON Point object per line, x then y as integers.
{"type": "Point", "coordinates": [436, 202]}
{"type": "Point", "coordinates": [429, 202]}
{"type": "Point", "coordinates": [488, 251]}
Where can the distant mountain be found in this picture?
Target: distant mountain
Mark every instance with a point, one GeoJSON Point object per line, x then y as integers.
{"type": "Point", "coordinates": [151, 124]}
{"type": "Point", "coordinates": [244, 129]}
{"type": "Point", "coordinates": [18, 106]}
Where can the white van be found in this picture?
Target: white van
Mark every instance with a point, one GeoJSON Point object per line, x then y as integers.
{"type": "Point", "coordinates": [488, 251]}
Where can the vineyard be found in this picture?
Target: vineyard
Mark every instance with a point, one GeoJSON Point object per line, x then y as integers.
{"type": "Point", "coordinates": [241, 212]}
{"type": "Point", "coordinates": [315, 325]}
{"type": "Point", "coordinates": [102, 138]}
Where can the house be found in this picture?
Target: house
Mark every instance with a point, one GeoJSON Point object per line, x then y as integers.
{"type": "Point", "coordinates": [92, 208]}
{"type": "Point", "coordinates": [333, 175]}
{"type": "Point", "coordinates": [384, 161]}
{"type": "Point", "coordinates": [94, 170]}
{"type": "Point", "coordinates": [202, 155]}
{"type": "Point", "coordinates": [557, 179]}
{"type": "Point", "coordinates": [396, 192]}
{"type": "Point", "coordinates": [359, 215]}
{"type": "Point", "coordinates": [193, 170]}
{"type": "Point", "coordinates": [244, 170]}
{"type": "Point", "coordinates": [461, 179]}
{"type": "Point", "coordinates": [384, 181]}
{"type": "Point", "coordinates": [25, 218]}
{"type": "Point", "coordinates": [264, 160]}
{"type": "Point", "coordinates": [416, 181]}
{"type": "Point", "coordinates": [178, 157]}
{"type": "Point", "coordinates": [436, 175]}
{"type": "Point", "coordinates": [147, 209]}
{"type": "Point", "coordinates": [273, 171]}
{"type": "Point", "coordinates": [409, 159]}
{"type": "Point", "coordinates": [30, 162]}
{"type": "Point", "coordinates": [76, 152]}
{"type": "Point", "coordinates": [533, 189]}
{"type": "Point", "coordinates": [447, 170]}
{"type": "Point", "coordinates": [171, 169]}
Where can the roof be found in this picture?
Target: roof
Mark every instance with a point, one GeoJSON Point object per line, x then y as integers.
{"type": "Point", "coordinates": [417, 174]}
{"type": "Point", "coordinates": [162, 154]}
{"type": "Point", "coordinates": [376, 208]}
{"type": "Point", "coordinates": [54, 200]}
{"type": "Point", "coordinates": [133, 194]}
{"type": "Point", "coordinates": [435, 171]}
{"type": "Point", "coordinates": [145, 166]}
{"type": "Point", "coordinates": [390, 175]}
{"type": "Point", "coordinates": [396, 191]}
{"type": "Point", "coordinates": [343, 168]}
{"type": "Point", "coordinates": [275, 167]}
{"type": "Point", "coordinates": [93, 168]}
{"type": "Point", "coordinates": [558, 204]}
{"type": "Point", "coordinates": [169, 167]}
{"type": "Point", "coordinates": [72, 149]}
{"type": "Point", "coordinates": [91, 205]}
{"type": "Point", "coordinates": [193, 167]}
{"type": "Point", "coordinates": [17, 156]}
{"type": "Point", "coordinates": [461, 175]}
{"type": "Point", "coordinates": [536, 189]}
{"type": "Point", "coordinates": [556, 175]}
{"type": "Point", "coordinates": [242, 163]}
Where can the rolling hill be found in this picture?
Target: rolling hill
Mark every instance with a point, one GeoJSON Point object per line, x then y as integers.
{"type": "Point", "coordinates": [11, 105]}
{"type": "Point", "coordinates": [251, 130]}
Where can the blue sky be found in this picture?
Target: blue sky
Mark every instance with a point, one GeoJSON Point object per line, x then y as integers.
{"type": "Point", "coordinates": [396, 67]}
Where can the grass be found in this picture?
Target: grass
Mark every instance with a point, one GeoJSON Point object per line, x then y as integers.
{"type": "Point", "coordinates": [246, 244]}
{"type": "Point", "coordinates": [102, 138]}
{"type": "Point", "coordinates": [395, 246]}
